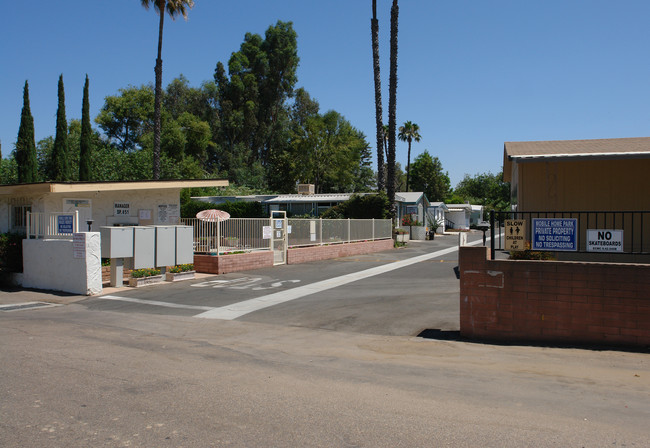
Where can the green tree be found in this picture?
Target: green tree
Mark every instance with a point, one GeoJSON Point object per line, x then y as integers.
{"type": "Point", "coordinates": [374, 31]}
{"type": "Point", "coordinates": [486, 189]}
{"type": "Point", "coordinates": [25, 154]}
{"type": "Point", "coordinates": [126, 117]}
{"type": "Point", "coordinates": [407, 133]}
{"type": "Point", "coordinates": [174, 8]}
{"type": "Point", "coordinates": [428, 176]}
{"type": "Point", "coordinates": [85, 142]}
{"type": "Point", "coordinates": [59, 169]}
{"type": "Point", "coordinates": [392, 106]}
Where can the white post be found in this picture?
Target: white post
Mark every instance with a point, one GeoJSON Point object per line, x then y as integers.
{"type": "Point", "coordinates": [321, 231]}
{"type": "Point", "coordinates": [218, 236]}
{"type": "Point", "coordinates": [373, 229]}
{"type": "Point", "coordinates": [349, 230]}
{"type": "Point", "coordinates": [76, 221]}
{"type": "Point", "coordinates": [28, 223]}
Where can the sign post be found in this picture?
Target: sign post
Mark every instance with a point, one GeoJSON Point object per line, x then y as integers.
{"type": "Point", "coordinates": [515, 234]}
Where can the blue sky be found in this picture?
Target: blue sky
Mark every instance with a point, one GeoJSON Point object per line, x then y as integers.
{"type": "Point", "coordinates": [472, 73]}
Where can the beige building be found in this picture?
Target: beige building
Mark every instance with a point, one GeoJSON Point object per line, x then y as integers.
{"type": "Point", "coordinates": [579, 175]}
{"type": "Point", "coordinates": [105, 203]}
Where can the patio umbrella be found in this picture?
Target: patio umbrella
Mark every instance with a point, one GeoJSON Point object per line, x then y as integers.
{"type": "Point", "coordinates": [212, 215]}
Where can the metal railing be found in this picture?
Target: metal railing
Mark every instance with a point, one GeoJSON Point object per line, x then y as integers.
{"type": "Point", "coordinates": [635, 227]}
{"type": "Point", "coordinates": [231, 235]}
{"type": "Point", "coordinates": [236, 234]}
{"type": "Point", "coordinates": [59, 225]}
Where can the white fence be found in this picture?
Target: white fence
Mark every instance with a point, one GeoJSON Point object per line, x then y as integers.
{"type": "Point", "coordinates": [52, 225]}
{"type": "Point", "coordinates": [236, 234]}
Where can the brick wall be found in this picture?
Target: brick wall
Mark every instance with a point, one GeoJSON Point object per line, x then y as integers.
{"type": "Point", "coordinates": [224, 264]}
{"type": "Point", "coordinates": [549, 301]}
{"type": "Point", "coordinates": [314, 253]}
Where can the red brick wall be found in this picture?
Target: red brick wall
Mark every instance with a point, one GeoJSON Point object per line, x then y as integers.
{"type": "Point", "coordinates": [314, 253]}
{"type": "Point", "coordinates": [224, 264]}
{"type": "Point", "coordinates": [567, 302]}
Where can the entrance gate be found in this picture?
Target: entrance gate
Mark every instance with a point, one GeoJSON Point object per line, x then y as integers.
{"type": "Point", "coordinates": [279, 237]}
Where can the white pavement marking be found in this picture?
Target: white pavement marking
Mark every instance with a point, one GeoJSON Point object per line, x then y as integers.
{"type": "Point", "coordinates": [235, 310]}
{"type": "Point", "coordinates": [157, 303]}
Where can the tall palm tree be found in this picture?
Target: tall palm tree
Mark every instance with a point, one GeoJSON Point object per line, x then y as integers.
{"type": "Point", "coordinates": [174, 9]}
{"type": "Point", "coordinates": [374, 29]}
{"type": "Point", "coordinates": [408, 133]}
{"type": "Point", "coordinates": [392, 108]}
{"type": "Point", "coordinates": [385, 137]}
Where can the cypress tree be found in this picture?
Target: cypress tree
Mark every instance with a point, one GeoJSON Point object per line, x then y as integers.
{"type": "Point", "coordinates": [59, 170]}
{"type": "Point", "coordinates": [25, 144]}
{"type": "Point", "coordinates": [84, 140]}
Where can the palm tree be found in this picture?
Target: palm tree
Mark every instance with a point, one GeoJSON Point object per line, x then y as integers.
{"type": "Point", "coordinates": [408, 133]}
{"type": "Point", "coordinates": [385, 137]}
{"type": "Point", "coordinates": [392, 107]}
{"type": "Point", "coordinates": [374, 29]}
{"type": "Point", "coordinates": [174, 8]}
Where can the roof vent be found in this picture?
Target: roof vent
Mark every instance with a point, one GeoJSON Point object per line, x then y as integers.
{"type": "Point", "coordinates": [306, 189]}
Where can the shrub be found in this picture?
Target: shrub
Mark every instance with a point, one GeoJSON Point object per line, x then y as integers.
{"type": "Point", "coordinates": [238, 209]}
{"type": "Point", "coordinates": [407, 220]}
{"type": "Point", "coordinates": [181, 268]}
{"type": "Point", "coordinates": [140, 273]}
{"type": "Point", "coordinates": [11, 252]}
{"type": "Point", "coordinates": [528, 254]}
{"type": "Point", "coordinates": [360, 207]}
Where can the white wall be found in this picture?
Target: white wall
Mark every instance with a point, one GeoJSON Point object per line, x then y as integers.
{"type": "Point", "coordinates": [59, 265]}
{"type": "Point", "coordinates": [103, 205]}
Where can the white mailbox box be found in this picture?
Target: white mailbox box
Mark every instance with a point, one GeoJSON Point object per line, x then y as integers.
{"type": "Point", "coordinates": [165, 246]}
{"type": "Point", "coordinates": [144, 250]}
{"type": "Point", "coordinates": [117, 242]}
{"type": "Point", "coordinates": [184, 244]}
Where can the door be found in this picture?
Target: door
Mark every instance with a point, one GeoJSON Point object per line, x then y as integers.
{"type": "Point", "coordinates": [279, 236]}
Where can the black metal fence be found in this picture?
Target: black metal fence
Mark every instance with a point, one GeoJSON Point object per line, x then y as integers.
{"type": "Point", "coordinates": [630, 230]}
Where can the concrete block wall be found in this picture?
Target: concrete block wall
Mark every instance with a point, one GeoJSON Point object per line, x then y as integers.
{"type": "Point", "coordinates": [549, 301]}
{"type": "Point", "coordinates": [298, 255]}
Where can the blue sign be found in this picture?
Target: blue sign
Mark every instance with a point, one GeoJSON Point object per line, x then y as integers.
{"type": "Point", "coordinates": [555, 234]}
{"type": "Point", "coordinates": [64, 224]}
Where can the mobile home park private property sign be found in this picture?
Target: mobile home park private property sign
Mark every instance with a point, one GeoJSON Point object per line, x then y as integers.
{"type": "Point", "coordinates": [555, 234]}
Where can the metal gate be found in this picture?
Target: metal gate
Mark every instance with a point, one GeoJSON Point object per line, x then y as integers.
{"type": "Point", "coordinates": [279, 237]}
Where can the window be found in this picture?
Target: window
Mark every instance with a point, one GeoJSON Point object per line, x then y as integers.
{"type": "Point", "coordinates": [19, 217]}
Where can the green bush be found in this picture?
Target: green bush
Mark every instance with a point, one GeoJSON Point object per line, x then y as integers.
{"type": "Point", "coordinates": [141, 273]}
{"type": "Point", "coordinates": [11, 252]}
{"type": "Point", "coordinates": [181, 268]}
{"type": "Point", "coordinates": [360, 207]}
{"type": "Point", "coordinates": [238, 209]}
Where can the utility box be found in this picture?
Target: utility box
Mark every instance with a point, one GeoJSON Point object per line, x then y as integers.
{"type": "Point", "coordinates": [165, 246]}
{"type": "Point", "coordinates": [117, 242]}
{"type": "Point", "coordinates": [184, 244]}
{"type": "Point", "coordinates": [144, 251]}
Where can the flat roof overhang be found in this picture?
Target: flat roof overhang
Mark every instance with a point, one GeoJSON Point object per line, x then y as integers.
{"type": "Point", "coordinates": [95, 187]}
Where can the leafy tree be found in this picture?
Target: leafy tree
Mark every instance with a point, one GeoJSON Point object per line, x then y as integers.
{"type": "Point", "coordinates": [392, 105]}
{"type": "Point", "coordinates": [429, 177]}
{"type": "Point", "coordinates": [374, 31]}
{"type": "Point", "coordinates": [174, 8]}
{"type": "Point", "coordinates": [25, 154]}
{"type": "Point", "coordinates": [407, 133]}
{"type": "Point", "coordinates": [361, 207]}
{"type": "Point", "coordinates": [85, 142]}
{"type": "Point", "coordinates": [59, 169]}
{"type": "Point", "coordinates": [485, 188]}
{"type": "Point", "coordinates": [126, 117]}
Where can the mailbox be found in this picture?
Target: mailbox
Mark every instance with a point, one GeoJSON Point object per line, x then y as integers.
{"type": "Point", "coordinates": [165, 246]}
{"type": "Point", "coordinates": [184, 244]}
{"type": "Point", "coordinates": [143, 247]}
{"type": "Point", "coordinates": [117, 242]}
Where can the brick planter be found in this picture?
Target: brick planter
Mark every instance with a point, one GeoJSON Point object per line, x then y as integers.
{"type": "Point", "coordinates": [223, 264]}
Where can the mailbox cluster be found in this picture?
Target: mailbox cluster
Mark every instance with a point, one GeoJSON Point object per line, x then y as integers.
{"type": "Point", "coordinates": [149, 247]}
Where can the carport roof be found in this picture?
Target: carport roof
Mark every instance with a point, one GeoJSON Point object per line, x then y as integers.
{"type": "Point", "coordinates": [83, 187]}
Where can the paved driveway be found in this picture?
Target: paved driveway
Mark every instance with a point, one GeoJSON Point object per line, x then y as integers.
{"type": "Point", "coordinates": [398, 292]}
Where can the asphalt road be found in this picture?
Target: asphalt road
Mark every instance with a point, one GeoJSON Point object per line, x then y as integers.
{"type": "Point", "coordinates": [402, 301]}
{"type": "Point", "coordinates": [336, 368]}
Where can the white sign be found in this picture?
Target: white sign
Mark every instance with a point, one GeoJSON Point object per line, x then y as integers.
{"type": "Point", "coordinates": [604, 240]}
{"type": "Point", "coordinates": [79, 245]}
{"type": "Point", "coordinates": [267, 232]}
{"type": "Point", "coordinates": [121, 209]}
